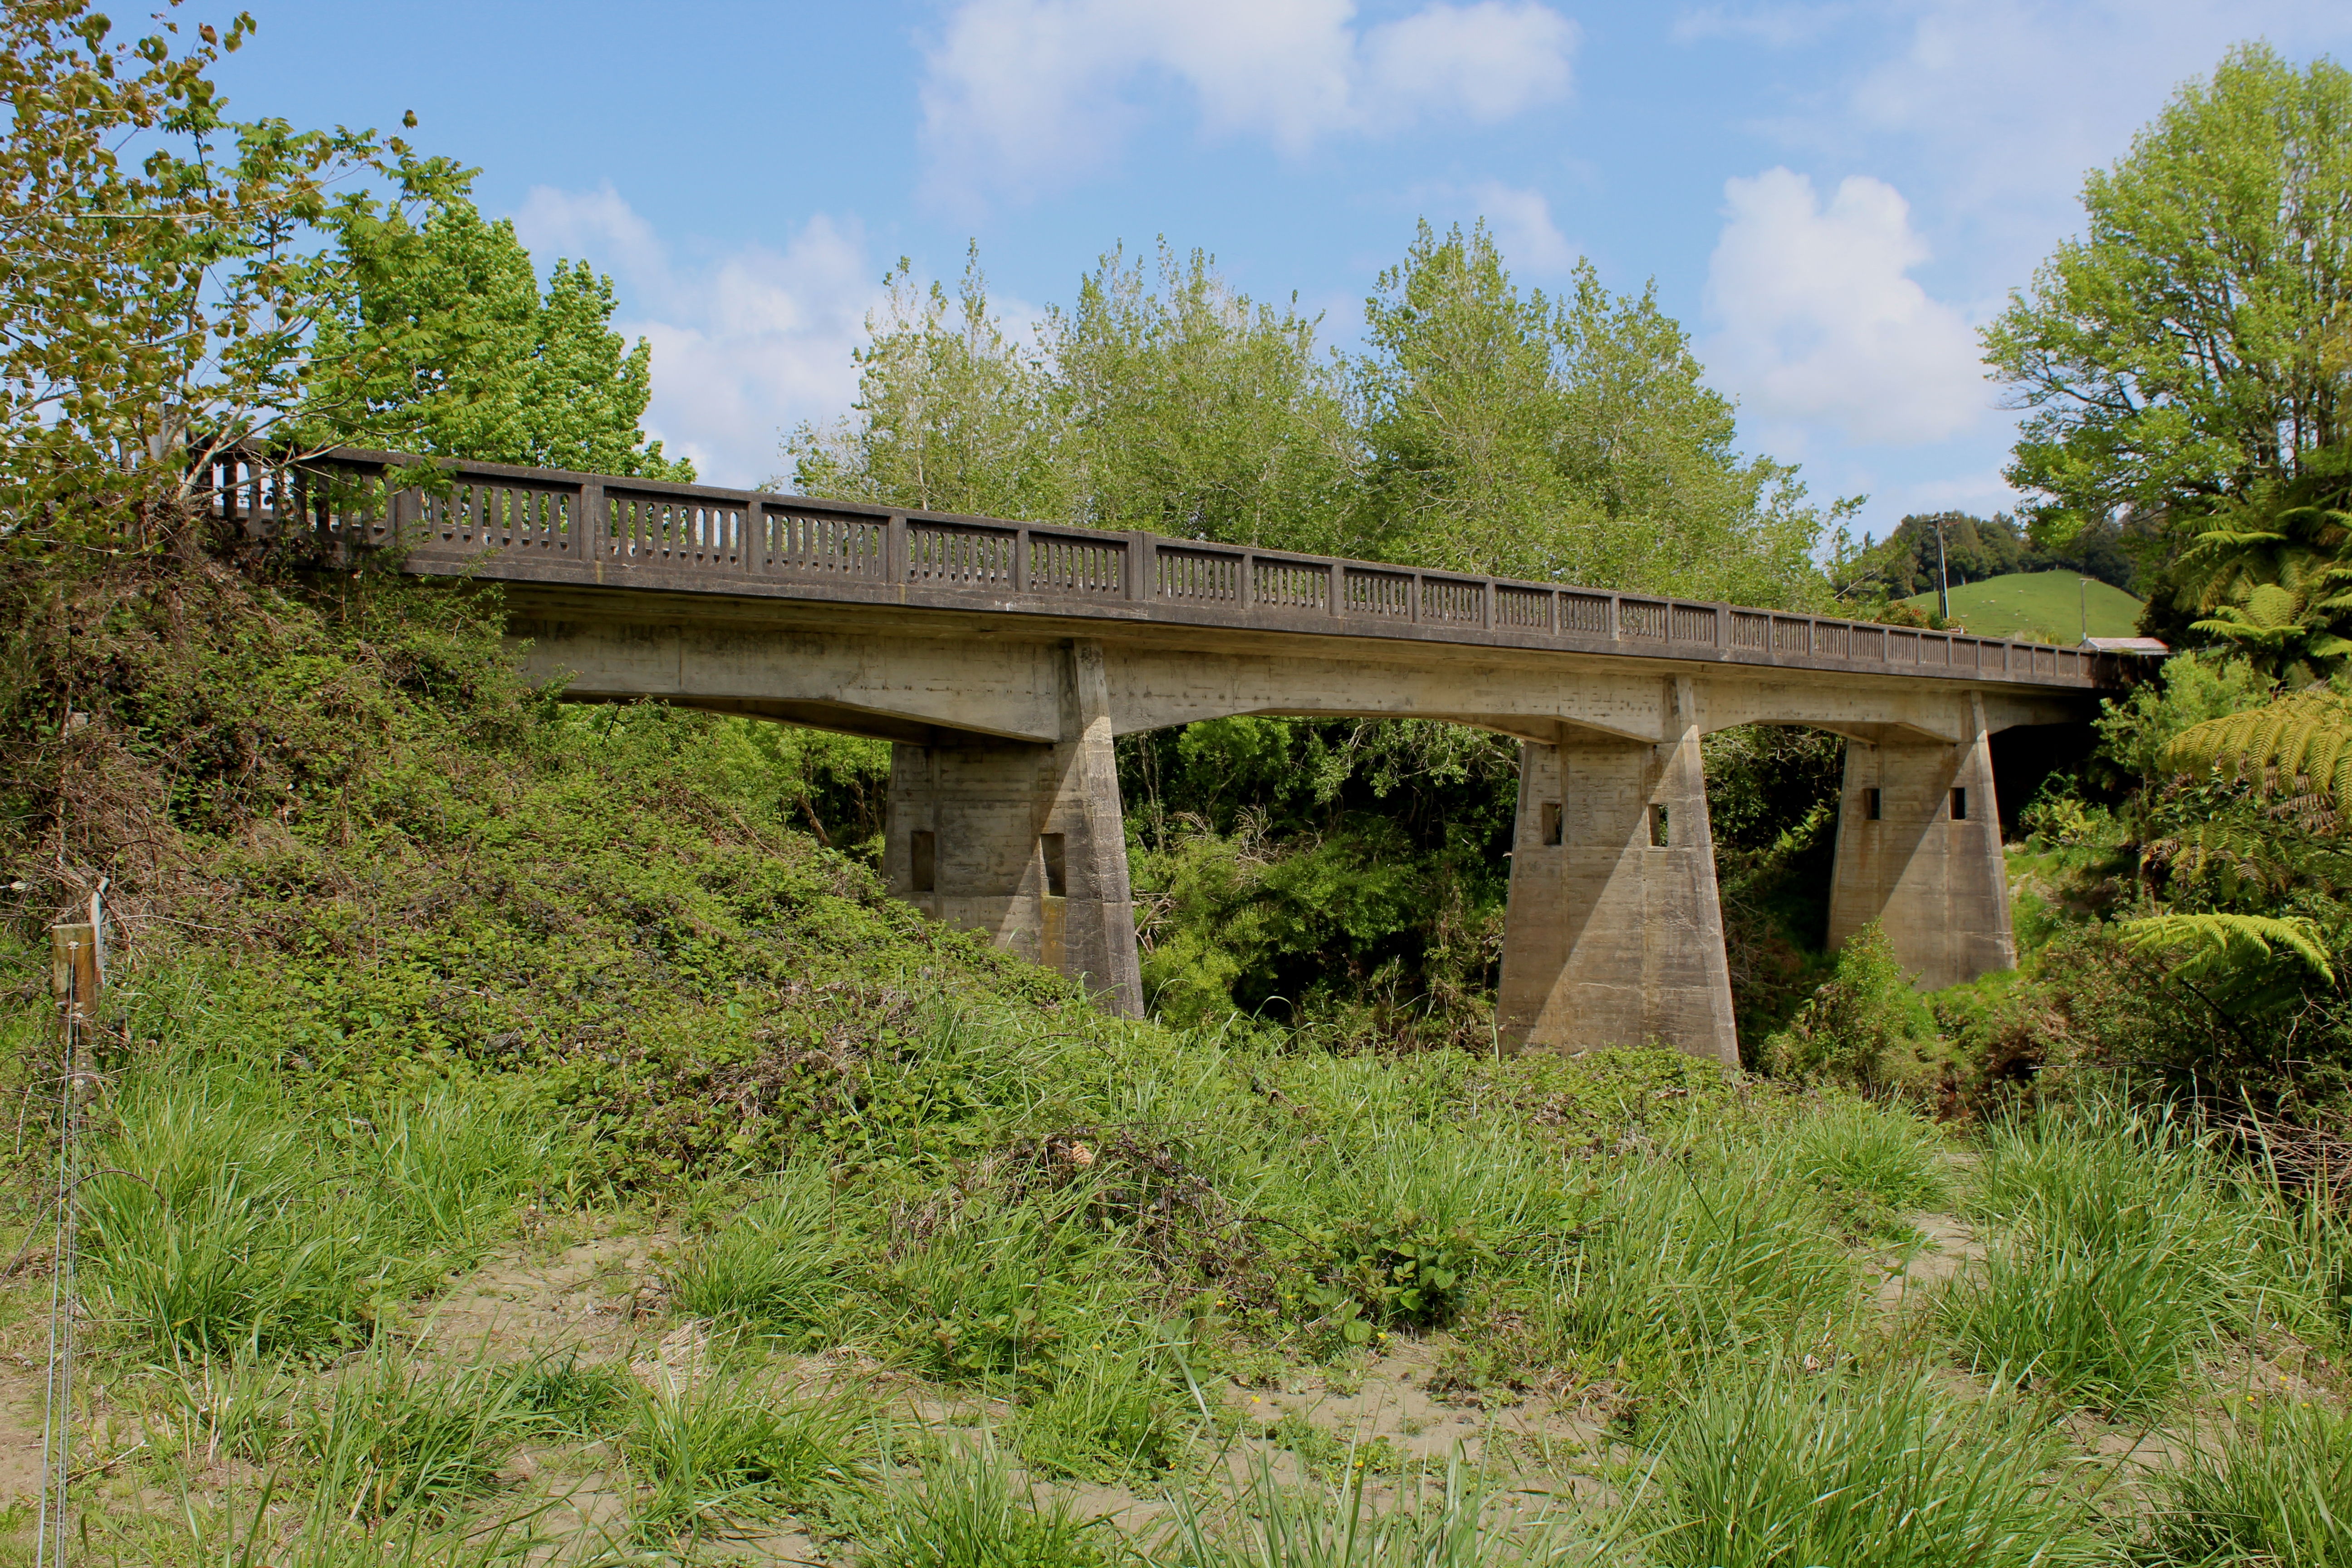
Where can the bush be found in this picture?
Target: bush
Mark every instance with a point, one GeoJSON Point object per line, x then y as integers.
{"type": "Point", "coordinates": [1865, 1010]}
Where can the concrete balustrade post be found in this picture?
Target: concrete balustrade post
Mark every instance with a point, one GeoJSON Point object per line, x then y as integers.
{"type": "Point", "coordinates": [1615, 933]}
{"type": "Point", "coordinates": [1026, 841]}
{"type": "Point", "coordinates": [1919, 850]}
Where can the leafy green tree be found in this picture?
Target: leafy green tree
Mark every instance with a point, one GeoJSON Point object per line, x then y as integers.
{"type": "Point", "coordinates": [952, 415]}
{"type": "Point", "coordinates": [1571, 440]}
{"type": "Point", "coordinates": [2190, 346]}
{"type": "Point", "coordinates": [441, 343]}
{"type": "Point", "coordinates": [1188, 410]}
{"type": "Point", "coordinates": [155, 302]}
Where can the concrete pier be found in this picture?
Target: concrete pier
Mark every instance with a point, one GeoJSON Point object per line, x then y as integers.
{"type": "Point", "coordinates": [1615, 933]}
{"type": "Point", "coordinates": [1919, 850]}
{"type": "Point", "coordinates": [1024, 841]}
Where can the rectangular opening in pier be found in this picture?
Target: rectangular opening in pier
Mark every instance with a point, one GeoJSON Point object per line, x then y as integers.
{"type": "Point", "coordinates": [1960, 806]}
{"type": "Point", "coordinates": [1551, 827]}
{"type": "Point", "coordinates": [1870, 805]}
{"type": "Point", "coordinates": [1057, 878]}
{"type": "Point", "coordinates": [924, 853]}
{"type": "Point", "coordinates": [1658, 827]}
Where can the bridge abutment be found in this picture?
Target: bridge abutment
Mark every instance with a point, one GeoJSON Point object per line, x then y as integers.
{"type": "Point", "coordinates": [1614, 932]}
{"type": "Point", "coordinates": [1024, 841]}
{"type": "Point", "coordinates": [1919, 850]}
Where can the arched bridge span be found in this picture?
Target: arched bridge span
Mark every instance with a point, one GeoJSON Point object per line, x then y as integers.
{"type": "Point", "coordinates": [1002, 660]}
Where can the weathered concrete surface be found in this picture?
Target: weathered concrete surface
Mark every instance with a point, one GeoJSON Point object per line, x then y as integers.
{"type": "Point", "coordinates": [1003, 739]}
{"type": "Point", "coordinates": [1615, 935]}
{"type": "Point", "coordinates": [1936, 883]}
{"type": "Point", "coordinates": [1024, 841]}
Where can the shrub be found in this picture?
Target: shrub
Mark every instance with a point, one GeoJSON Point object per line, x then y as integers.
{"type": "Point", "coordinates": [1862, 1012]}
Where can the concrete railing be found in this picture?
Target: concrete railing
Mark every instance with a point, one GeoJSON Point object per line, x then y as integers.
{"type": "Point", "coordinates": [541, 525]}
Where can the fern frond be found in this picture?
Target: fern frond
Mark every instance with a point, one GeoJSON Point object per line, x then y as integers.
{"type": "Point", "coordinates": [2228, 944]}
{"type": "Point", "coordinates": [2295, 745]}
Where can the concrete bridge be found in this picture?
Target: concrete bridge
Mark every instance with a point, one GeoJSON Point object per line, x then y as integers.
{"type": "Point", "coordinates": [1001, 659]}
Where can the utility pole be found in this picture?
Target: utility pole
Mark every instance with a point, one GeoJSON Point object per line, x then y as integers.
{"type": "Point", "coordinates": [1943, 577]}
{"type": "Point", "coordinates": [2085, 584]}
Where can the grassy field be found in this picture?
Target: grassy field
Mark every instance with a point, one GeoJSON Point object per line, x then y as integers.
{"type": "Point", "coordinates": [517, 1142]}
{"type": "Point", "coordinates": [2047, 605]}
{"type": "Point", "coordinates": [1066, 1292]}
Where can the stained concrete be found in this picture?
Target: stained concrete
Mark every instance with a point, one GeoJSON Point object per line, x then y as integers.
{"type": "Point", "coordinates": [1615, 933]}
{"type": "Point", "coordinates": [1933, 881]}
{"type": "Point", "coordinates": [1003, 742]}
{"type": "Point", "coordinates": [1023, 841]}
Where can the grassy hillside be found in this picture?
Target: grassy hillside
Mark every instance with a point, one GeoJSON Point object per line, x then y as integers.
{"type": "Point", "coordinates": [517, 1141]}
{"type": "Point", "coordinates": [2046, 604]}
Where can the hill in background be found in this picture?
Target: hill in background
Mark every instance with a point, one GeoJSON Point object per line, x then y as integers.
{"type": "Point", "coordinates": [2044, 605]}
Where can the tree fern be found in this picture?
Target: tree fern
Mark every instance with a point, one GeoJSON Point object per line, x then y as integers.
{"type": "Point", "coordinates": [2296, 745]}
{"type": "Point", "coordinates": [2227, 946]}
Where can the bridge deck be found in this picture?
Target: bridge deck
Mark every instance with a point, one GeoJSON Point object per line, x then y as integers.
{"type": "Point", "coordinates": [549, 527]}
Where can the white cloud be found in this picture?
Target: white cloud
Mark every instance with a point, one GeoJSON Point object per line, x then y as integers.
{"type": "Point", "coordinates": [1996, 109]}
{"type": "Point", "coordinates": [1819, 320]}
{"type": "Point", "coordinates": [745, 346]}
{"type": "Point", "coordinates": [1021, 95]}
{"type": "Point", "coordinates": [1777, 25]}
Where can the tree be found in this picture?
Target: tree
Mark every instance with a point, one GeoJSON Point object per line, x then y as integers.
{"type": "Point", "coordinates": [951, 416]}
{"type": "Point", "coordinates": [2191, 347]}
{"type": "Point", "coordinates": [152, 312]}
{"type": "Point", "coordinates": [440, 342]}
{"type": "Point", "coordinates": [1190, 411]}
{"type": "Point", "coordinates": [1571, 441]}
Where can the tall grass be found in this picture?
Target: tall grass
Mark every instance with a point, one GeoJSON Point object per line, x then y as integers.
{"type": "Point", "coordinates": [1452, 1523]}
{"type": "Point", "coordinates": [1869, 1156]}
{"type": "Point", "coordinates": [1771, 1468]}
{"type": "Point", "coordinates": [2277, 1490]}
{"type": "Point", "coordinates": [774, 1269]}
{"type": "Point", "coordinates": [968, 1510]}
{"type": "Point", "coordinates": [395, 1434]}
{"type": "Point", "coordinates": [224, 1214]}
{"type": "Point", "coordinates": [1678, 1260]}
{"type": "Point", "coordinates": [2115, 1262]}
{"type": "Point", "coordinates": [723, 1447]}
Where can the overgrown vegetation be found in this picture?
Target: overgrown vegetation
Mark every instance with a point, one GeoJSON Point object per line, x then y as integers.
{"type": "Point", "coordinates": [517, 1133]}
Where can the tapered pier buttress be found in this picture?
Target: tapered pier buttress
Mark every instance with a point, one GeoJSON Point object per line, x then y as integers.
{"type": "Point", "coordinates": [1919, 850]}
{"type": "Point", "coordinates": [1024, 841]}
{"type": "Point", "coordinates": [1615, 935]}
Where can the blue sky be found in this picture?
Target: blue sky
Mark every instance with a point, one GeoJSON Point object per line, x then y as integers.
{"type": "Point", "coordinates": [1829, 196]}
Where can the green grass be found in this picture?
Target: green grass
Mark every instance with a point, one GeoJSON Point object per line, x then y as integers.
{"type": "Point", "coordinates": [1773, 1467]}
{"type": "Point", "coordinates": [2115, 1263]}
{"type": "Point", "coordinates": [722, 1447]}
{"type": "Point", "coordinates": [2275, 1490]}
{"type": "Point", "coordinates": [2046, 604]}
